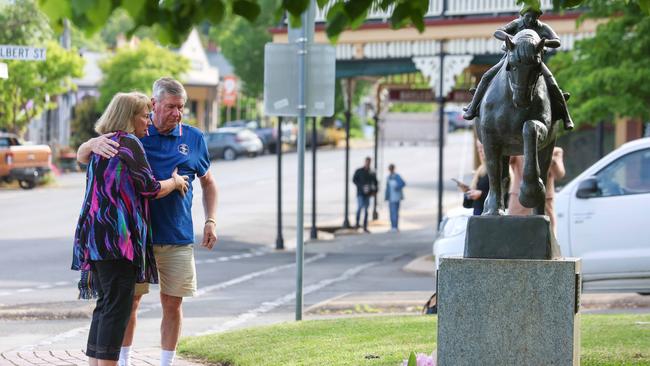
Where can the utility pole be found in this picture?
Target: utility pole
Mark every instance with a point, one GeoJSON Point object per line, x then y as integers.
{"type": "Point", "coordinates": [348, 120]}
{"type": "Point", "coordinates": [314, 144]}
{"type": "Point", "coordinates": [279, 240]}
{"type": "Point", "coordinates": [441, 129]}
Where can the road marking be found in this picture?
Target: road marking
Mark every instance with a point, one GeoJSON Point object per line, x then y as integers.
{"type": "Point", "coordinates": [256, 253]}
{"type": "Point", "coordinates": [46, 286]}
{"type": "Point", "coordinates": [202, 291]}
{"type": "Point", "coordinates": [269, 306]}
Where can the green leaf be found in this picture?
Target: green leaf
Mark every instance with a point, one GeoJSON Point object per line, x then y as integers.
{"type": "Point", "coordinates": [56, 10]}
{"type": "Point", "coordinates": [81, 6]}
{"type": "Point", "coordinates": [321, 3]}
{"type": "Point", "coordinates": [247, 9]}
{"type": "Point", "coordinates": [214, 10]}
{"type": "Point", "coordinates": [400, 15]}
{"type": "Point", "coordinates": [134, 7]}
{"type": "Point", "coordinates": [418, 22]}
{"type": "Point", "coordinates": [295, 7]}
{"type": "Point", "coordinates": [358, 22]}
{"type": "Point", "coordinates": [98, 14]}
{"type": "Point", "coordinates": [413, 360]}
{"type": "Point", "coordinates": [337, 20]}
{"type": "Point", "coordinates": [567, 4]}
{"type": "Point", "coordinates": [357, 8]}
{"type": "Point", "coordinates": [645, 6]}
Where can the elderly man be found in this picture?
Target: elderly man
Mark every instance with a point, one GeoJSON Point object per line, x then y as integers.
{"type": "Point", "coordinates": [170, 144]}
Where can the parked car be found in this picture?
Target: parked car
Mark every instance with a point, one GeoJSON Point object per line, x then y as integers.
{"type": "Point", "coordinates": [229, 143]}
{"type": "Point", "coordinates": [27, 164]}
{"type": "Point", "coordinates": [268, 135]}
{"type": "Point", "coordinates": [451, 234]}
{"type": "Point", "coordinates": [455, 119]}
{"type": "Point", "coordinates": [601, 218]}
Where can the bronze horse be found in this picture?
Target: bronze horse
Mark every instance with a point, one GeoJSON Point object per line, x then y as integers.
{"type": "Point", "coordinates": [516, 119]}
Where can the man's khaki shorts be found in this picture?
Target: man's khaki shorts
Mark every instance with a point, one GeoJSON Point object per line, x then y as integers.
{"type": "Point", "coordinates": [176, 271]}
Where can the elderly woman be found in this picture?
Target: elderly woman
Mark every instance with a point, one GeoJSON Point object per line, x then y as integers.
{"type": "Point", "coordinates": [112, 242]}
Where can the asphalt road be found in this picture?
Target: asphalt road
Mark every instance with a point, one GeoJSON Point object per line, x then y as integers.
{"type": "Point", "coordinates": [244, 281]}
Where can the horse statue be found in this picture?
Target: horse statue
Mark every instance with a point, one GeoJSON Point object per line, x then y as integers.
{"type": "Point", "coordinates": [516, 118]}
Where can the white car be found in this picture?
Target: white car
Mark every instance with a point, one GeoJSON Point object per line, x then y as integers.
{"type": "Point", "coordinates": [601, 218]}
{"type": "Point", "coordinates": [451, 234]}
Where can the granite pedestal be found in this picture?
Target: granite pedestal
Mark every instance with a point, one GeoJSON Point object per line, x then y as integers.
{"type": "Point", "coordinates": [509, 312]}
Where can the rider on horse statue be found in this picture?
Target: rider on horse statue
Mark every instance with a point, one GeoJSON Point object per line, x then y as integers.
{"type": "Point", "coordinates": [529, 19]}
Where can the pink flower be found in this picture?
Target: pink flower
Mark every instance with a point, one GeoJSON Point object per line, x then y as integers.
{"type": "Point", "coordinates": [422, 359]}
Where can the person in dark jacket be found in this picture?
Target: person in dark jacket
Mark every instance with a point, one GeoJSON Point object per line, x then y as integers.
{"type": "Point", "coordinates": [366, 182]}
{"type": "Point", "coordinates": [478, 189]}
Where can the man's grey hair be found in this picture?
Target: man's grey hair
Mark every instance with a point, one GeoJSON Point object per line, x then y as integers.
{"type": "Point", "coordinates": [168, 86]}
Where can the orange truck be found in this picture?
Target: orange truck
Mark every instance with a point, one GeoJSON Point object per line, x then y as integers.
{"type": "Point", "coordinates": [27, 164]}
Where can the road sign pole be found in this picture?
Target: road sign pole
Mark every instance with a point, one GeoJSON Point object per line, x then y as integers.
{"type": "Point", "coordinates": [302, 110]}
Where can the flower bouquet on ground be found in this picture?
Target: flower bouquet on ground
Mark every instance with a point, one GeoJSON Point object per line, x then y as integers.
{"type": "Point", "coordinates": [420, 359]}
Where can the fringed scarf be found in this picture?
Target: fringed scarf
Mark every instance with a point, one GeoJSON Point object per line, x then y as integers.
{"type": "Point", "coordinates": [87, 289]}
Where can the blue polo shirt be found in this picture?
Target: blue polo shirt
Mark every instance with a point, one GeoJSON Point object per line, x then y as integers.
{"type": "Point", "coordinates": [184, 147]}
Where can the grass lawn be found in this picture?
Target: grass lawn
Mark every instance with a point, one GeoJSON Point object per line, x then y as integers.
{"type": "Point", "coordinates": [621, 340]}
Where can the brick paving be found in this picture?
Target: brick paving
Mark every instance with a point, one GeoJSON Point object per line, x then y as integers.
{"type": "Point", "coordinates": [145, 357]}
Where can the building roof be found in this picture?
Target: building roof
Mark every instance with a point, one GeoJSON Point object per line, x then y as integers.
{"type": "Point", "coordinates": [201, 72]}
{"type": "Point", "coordinates": [218, 60]}
{"type": "Point", "coordinates": [92, 74]}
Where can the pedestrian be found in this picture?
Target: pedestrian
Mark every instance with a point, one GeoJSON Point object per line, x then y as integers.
{"type": "Point", "coordinates": [366, 181]}
{"type": "Point", "coordinates": [394, 195]}
{"type": "Point", "coordinates": [555, 171]}
{"type": "Point", "coordinates": [112, 244]}
{"type": "Point", "coordinates": [171, 143]}
{"type": "Point", "coordinates": [479, 187]}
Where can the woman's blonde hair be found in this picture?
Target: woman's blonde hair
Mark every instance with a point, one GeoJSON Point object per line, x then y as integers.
{"type": "Point", "coordinates": [121, 112]}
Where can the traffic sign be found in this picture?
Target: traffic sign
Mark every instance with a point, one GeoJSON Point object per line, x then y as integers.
{"type": "Point", "coordinates": [281, 80]}
{"type": "Point", "coordinates": [9, 52]}
{"type": "Point", "coordinates": [411, 95]}
{"type": "Point", "coordinates": [229, 91]}
{"type": "Point", "coordinates": [4, 73]}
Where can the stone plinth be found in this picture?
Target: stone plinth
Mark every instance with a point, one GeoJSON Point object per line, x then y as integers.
{"type": "Point", "coordinates": [510, 237]}
{"type": "Point", "coordinates": [503, 312]}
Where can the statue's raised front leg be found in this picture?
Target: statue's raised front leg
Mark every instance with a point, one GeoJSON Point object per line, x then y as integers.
{"type": "Point", "coordinates": [532, 191]}
{"type": "Point", "coordinates": [545, 158]}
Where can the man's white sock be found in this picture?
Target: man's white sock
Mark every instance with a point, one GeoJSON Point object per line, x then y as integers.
{"type": "Point", "coordinates": [167, 357]}
{"type": "Point", "coordinates": [125, 356]}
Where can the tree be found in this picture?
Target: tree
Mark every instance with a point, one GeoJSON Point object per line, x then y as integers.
{"type": "Point", "coordinates": [32, 85]}
{"type": "Point", "coordinates": [243, 45]}
{"type": "Point", "coordinates": [172, 20]}
{"type": "Point", "coordinates": [83, 124]}
{"type": "Point", "coordinates": [137, 69]}
{"type": "Point", "coordinates": [609, 75]}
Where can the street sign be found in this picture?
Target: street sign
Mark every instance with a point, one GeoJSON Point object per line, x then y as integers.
{"type": "Point", "coordinates": [229, 91]}
{"type": "Point", "coordinates": [281, 80]}
{"type": "Point", "coordinates": [411, 95]}
{"type": "Point", "coordinates": [9, 52]}
{"type": "Point", "coordinates": [4, 73]}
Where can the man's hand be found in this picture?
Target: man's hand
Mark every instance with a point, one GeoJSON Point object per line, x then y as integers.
{"type": "Point", "coordinates": [104, 146]}
{"type": "Point", "coordinates": [209, 235]}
